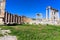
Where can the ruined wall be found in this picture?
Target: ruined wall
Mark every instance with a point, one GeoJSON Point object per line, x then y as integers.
{"type": "Point", "coordinates": [2, 10]}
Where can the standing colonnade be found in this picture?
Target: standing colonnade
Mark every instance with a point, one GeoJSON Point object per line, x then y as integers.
{"type": "Point", "coordinates": [11, 19]}
{"type": "Point", "coordinates": [52, 15]}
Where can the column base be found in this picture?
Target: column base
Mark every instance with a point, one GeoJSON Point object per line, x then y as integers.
{"type": "Point", "coordinates": [1, 21]}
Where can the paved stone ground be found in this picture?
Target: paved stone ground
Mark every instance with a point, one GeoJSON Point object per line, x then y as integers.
{"type": "Point", "coordinates": [8, 38]}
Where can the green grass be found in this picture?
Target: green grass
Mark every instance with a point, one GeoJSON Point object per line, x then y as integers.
{"type": "Point", "coordinates": [35, 32]}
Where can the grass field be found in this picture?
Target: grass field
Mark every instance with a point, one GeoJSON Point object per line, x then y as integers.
{"type": "Point", "coordinates": [35, 32]}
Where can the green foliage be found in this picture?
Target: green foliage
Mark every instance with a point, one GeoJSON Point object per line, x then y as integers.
{"type": "Point", "coordinates": [1, 35]}
{"type": "Point", "coordinates": [35, 32]}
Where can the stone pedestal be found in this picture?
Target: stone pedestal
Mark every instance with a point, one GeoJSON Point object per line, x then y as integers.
{"type": "Point", "coordinates": [1, 21]}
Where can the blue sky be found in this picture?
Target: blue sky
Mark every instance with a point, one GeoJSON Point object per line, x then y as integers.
{"type": "Point", "coordinates": [29, 8]}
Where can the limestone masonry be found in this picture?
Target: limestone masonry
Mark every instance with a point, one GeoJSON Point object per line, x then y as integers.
{"type": "Point", "coordinates": [52, 17]}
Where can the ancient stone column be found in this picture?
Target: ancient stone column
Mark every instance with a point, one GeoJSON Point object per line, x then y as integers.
{"type": "Point", "coordinates": [57, 15]}
{"type": "Point", "coordinates": [53, 16]}
{"type": "Point", "coordinates": [8, 18]}
{"type": "Point", "coordinates": [11, 19]}
{"type": "Point", "coordinates": [49, 13]}
{"type": "Point", "coordinates": [46, 13]}
{"type": "Point", "coordinates": [16, 18]}
{"type": "Point", "coordinates": [5, 18]}
{"type": "Point", "coordinates": [20, 19]}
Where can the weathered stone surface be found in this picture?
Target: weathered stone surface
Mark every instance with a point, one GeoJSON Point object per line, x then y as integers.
{"type": "Point", "coordinates": [8, 38]}
{"type": "Point", "coordinates": [1, 21]}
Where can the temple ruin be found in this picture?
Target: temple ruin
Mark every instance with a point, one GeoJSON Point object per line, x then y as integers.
{"type": "Point", "coordinates": [8, 18]}
{"type": "Point", "coordinates": [52, 17]}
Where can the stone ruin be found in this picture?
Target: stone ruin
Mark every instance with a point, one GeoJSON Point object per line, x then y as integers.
{"type": "Point", "coordinates": [6, 36]}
